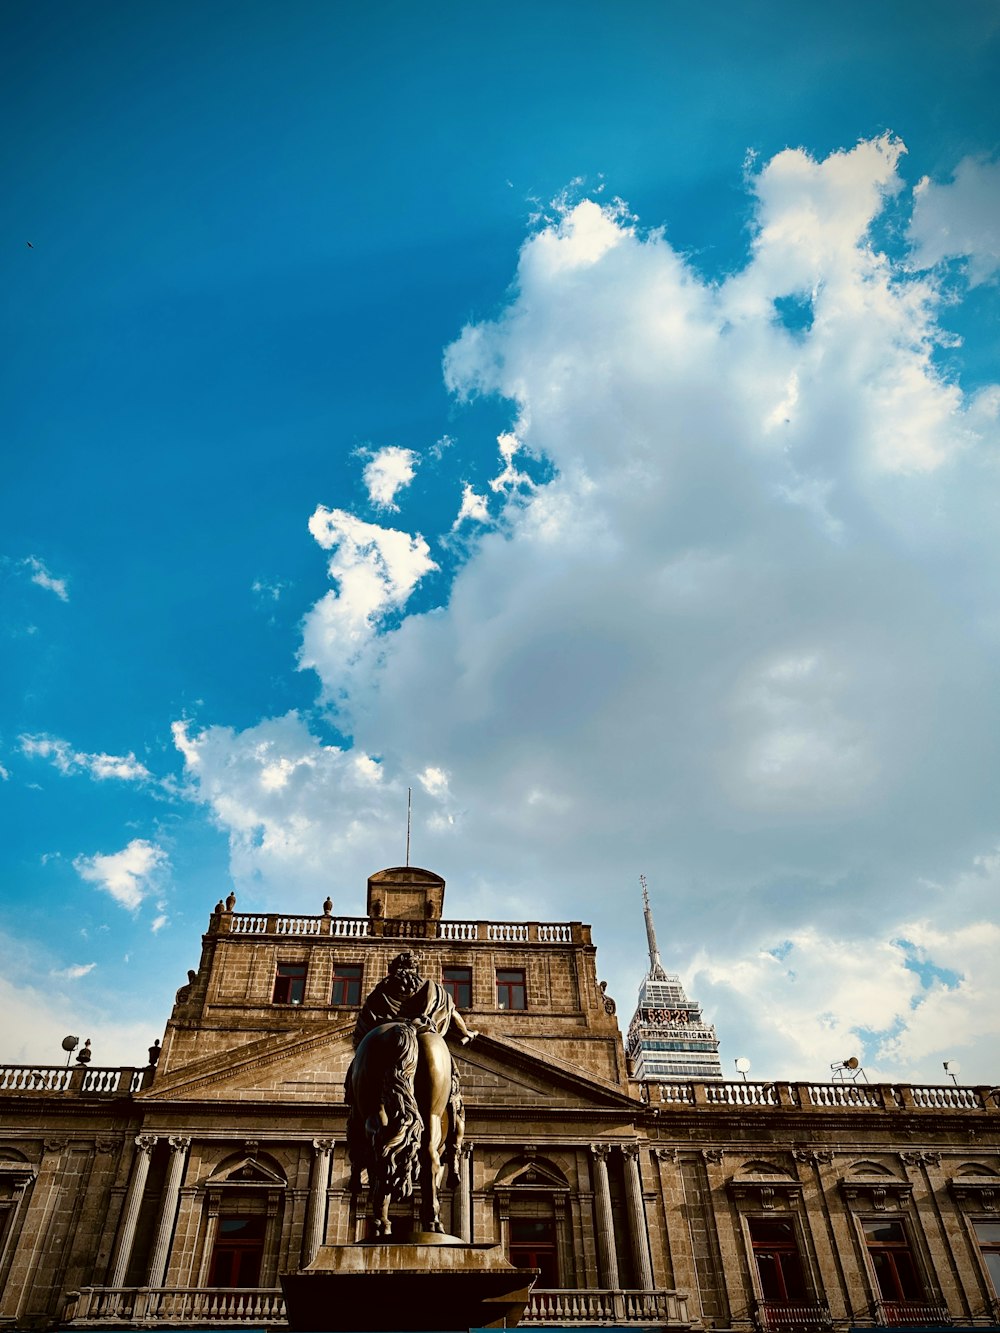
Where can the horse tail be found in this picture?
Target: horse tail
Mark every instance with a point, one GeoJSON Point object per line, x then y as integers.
{"type": "Point", "coordinates": [396, 1144]}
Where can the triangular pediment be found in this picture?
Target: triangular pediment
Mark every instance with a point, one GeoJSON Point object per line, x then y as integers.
{"type": "Point", "coordinates": [310, 1065]}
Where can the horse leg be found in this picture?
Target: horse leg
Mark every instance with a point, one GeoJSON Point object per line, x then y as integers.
{"type": "Point", "coordinates": [380, 1212]}
{"type": "Point", "coordinates": [434, 1093]}
{"type": "Point", "coordinates": [432, 1169]}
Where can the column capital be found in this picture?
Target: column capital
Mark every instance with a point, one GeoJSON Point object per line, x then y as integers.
{"type": "Point", "coordinates": [146, 1143]}
{"type": "Point", "coordinates": [600, 1151]}
{"type": "Point", "coordinates": [178, 1143]}
{"type": "Point", "coordinates": [321, 1146]}
{"type": "Point", "coordinates": [630, 1151]}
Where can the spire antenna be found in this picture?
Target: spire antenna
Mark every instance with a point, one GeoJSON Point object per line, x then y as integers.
{"type": "Point", "coordinates": [409, 811]}
{"type": "Point", "coordinates": [656, 971]}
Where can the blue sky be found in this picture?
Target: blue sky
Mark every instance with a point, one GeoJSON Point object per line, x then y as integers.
{"type": "Point", "coordinates": [712, 361]}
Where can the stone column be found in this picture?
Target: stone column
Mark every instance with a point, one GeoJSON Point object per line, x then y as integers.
{"type": "Point", "coordinates": [319, 1183]}
{"type": "Point", "coordinates": [462, 1201]}
{"type": "Point", "coordinates": [145, 1143]}
{"type": "Point", "coordinates": [168, 1210]}
{"type": "Point", "coordinates": [607, 1257]}
{"type": "Point", "coordinates": [637, 1217]}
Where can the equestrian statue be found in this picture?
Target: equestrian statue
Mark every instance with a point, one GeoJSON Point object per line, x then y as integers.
{"type": "Point", "coordinates": [405, 1119]}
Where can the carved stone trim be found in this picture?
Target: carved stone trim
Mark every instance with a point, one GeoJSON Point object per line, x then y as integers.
{"type": "Point", "coordinates": [666, 1154]}
{"type": "Point", "coordinates": [920, 1158]}
{"type": "Point", "coordinates": [765, 1190]}
{"type": "Point", "coordinates": [977, 1192]}
{"type": "Point", "coordinates": [878, 1192]}
{"type": "Point", "coordinates": [712, 1154]}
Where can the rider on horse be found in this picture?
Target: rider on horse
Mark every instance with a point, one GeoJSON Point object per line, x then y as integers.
{"type": "Point", "coordinates": [405, 1115]}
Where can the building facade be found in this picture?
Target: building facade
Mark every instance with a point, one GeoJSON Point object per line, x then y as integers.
{"type": "Point", "coordinates": [176, 1195]}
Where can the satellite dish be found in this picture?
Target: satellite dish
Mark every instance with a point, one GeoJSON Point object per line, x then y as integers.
{"type": "Point", "coordinates": [852, 1063]}
{"type": "Point", "coordinates": [70, 1043]}
{"type": "Point", "coordinates": [743, 1065]}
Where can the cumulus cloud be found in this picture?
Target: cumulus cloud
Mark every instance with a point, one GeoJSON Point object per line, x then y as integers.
{"type": "Point", "coordinates": [742, 635]}
{"type": "Point", "coordinates": [125, 768]}
{"type": "Point", "coordinates": [296, 811]}
{"type": "Point", "coordinates": [129, 875]}
{"type": "Point", "coordinates": [376, 570]}
{"type": "Point", "coordinates": [42, 575]}
{"type": "Point", "coordinates": [960, 219]}
{"type": "Point", "coordinates": [387, 472]}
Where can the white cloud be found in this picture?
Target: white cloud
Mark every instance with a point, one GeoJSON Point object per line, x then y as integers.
{"type": "Point", "coordinates": [744, 636]}
{"type": "Point", "coordinates": [158, 922]}
{"type": "Point", "coordinates": [125, 768]}
{"type": "Point", "coordinates": [129, 875]}
{"type": "Point", "coordinates": [376, 569]}
{"type": "Point", "coordinates": [41, 575]}
{"type": "Point", "coordinates": [388, 471]}
{"type": "Point", "coordinates": [294, 809]}
{"type": "Point", "coordinates": [75, 971]}
{"type": "Point", "coordinates": [474, 508]}
{"type": "Point", "coordinates": [960, 219]}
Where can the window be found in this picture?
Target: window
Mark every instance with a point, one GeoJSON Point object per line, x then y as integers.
{"type": "Point", "coordinates": [239, 1248]}
{"type": "Point", "coordinates": [346, 983]}
{"type": "Point", "coordinates": [533, 1245]}
{"type": "Point", "coordinates": [511, 993]}
{"type": "Point", "coordinates": [289, 983]}
{"type": "Point", "coordinates": [458, 984]}
{"type": "Point", "coordinates": [892, 1260]}
{"type": "Point", "coordinates": [776, 1253]}
{"type": "Point", "coordinates": [988, 1236]}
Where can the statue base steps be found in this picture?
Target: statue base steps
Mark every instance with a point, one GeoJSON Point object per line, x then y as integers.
{"type": "Point", "coordinates": [432, 1282]}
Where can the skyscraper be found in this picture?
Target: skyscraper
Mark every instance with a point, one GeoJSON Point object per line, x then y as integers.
{"type": "Point", "coordinates": [668, 1037]}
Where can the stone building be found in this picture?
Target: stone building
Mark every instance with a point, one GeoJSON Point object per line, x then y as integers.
{"type": "Point", "coordinates": [176, 1195]}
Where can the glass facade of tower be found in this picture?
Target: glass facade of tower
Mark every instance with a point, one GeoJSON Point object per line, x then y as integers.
{"type": "Point", "coordinates": [668, 1037]}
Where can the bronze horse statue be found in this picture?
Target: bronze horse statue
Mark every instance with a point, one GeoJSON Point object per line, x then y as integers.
{"type": "Point", "coordinates": [405, 1120]}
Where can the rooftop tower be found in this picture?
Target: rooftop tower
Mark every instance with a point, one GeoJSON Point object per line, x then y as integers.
{"type": "Point", "coordinates": [668, 1038]}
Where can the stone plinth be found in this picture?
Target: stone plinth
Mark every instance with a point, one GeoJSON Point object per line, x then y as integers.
{"type": "Point", "coordinates": [377, 1287]}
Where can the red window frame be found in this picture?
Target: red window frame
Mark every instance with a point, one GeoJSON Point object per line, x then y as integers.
{"type": "Point", "coordinates": [988, 1240]}
{"type": "Point", "coordinates": [779, 1264]}
{"type": "Point", "coordinates": [238, 1251]}
{"type": "Point", "coordinates": [893, 1262]}
{"type": "Point", "coordinates": [346, 984]}
{"type": "Point", "coordinates": [532, 1244]}
{"type": "Point", "coordinates": [457, 981]}
{"type": "Point", "coordinates": [289, 983]}
{"type": "Point", "coordinates": [512, 993]}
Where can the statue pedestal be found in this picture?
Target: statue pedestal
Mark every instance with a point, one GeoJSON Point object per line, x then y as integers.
{"type": "Point", "coordinates": [432, 1282]}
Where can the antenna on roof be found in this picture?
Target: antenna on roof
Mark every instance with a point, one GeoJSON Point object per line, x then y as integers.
{"type": "Point", "coordinates": [656, 971]}
{"type": "Point", "coordinates": [409, 809]}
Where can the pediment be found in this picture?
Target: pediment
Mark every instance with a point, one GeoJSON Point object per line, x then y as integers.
{"type": "Point", "coordinates": [310, 1066]}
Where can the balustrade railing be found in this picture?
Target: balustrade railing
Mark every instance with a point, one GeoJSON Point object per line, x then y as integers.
{"type": "Point", "coordinates": [605, 1307]}
{"type": "Point", "coordinates": [844, 1094]}
{"type": "Point", "coordinates": [175, 1305]}
{"type": "Point", "coordinates": [791, 1316]}
{"type": "Point", "coordinates": [899, 1314]}
{"type": "Point", "coordinates": [96, 1081]}
{"type": "Point", "coordinates": [819, 1096]}
{"type": "Point", "coordinates": [741, 1094]}
{"type": "Point", "coordinates": [357, 927]}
